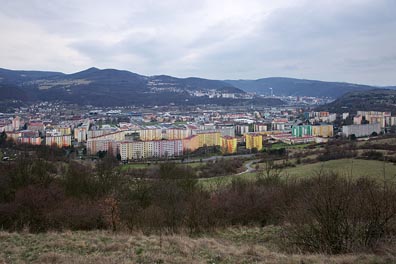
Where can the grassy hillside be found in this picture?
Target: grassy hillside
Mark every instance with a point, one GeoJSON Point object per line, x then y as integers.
{"type": "Point", "coordinates": [234, 245]}
{"type": "Point", "coordinates": [346, 167]}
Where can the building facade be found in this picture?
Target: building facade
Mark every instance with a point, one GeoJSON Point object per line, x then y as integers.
{"type": "Point", "coordinates": [254, 141]}
{"type": "Point", "coordinates": [228, 145]}
{"type": "Point", "coordinates": [361, 130]}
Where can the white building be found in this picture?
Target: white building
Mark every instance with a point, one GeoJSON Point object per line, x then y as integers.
{"type": "Point", "coordinates": [361, 130]}
{"type": "Point", "coordinates": [150, 149]}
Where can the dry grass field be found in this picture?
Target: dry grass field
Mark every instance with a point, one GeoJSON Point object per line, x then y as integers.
{"type": "Point", "coordinates": [233, 245]}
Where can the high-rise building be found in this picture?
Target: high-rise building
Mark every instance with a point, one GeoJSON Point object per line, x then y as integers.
{"type": "Point", "coordinates": [151, 133]}
{"type": "Point", "coordinates": [322, 131]}
{"type": "Point", "coordinates": [150, 149]}
{"type": "Point", "coordinates": [361, 130]}
{"type": "Point", "coordinates": [176, 133]}
{"type": "Point", "coordinates": [16, 123]}
{"type": "Point", "coordinates": [382, 118]}
{"type": "Point", "coordinates": [101, 144]}
{"type": "Point", "coordinates": [191, 143]}
{"type": "Point", "coordinates": [301, 131]}
{"type": "Point", "coordinates": [228, 145]}
{"type": "Point", "coordinates": [208, 139]}
{"type": "Point", "coordinates": [254, 141]}
{"type": "Point", "coordinates": [58, 140]}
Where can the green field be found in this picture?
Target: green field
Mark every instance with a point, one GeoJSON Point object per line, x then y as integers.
{"type": "Point", "coordinates": [345, 167]}
{"type": "Point", "coordinates": [133, 166]}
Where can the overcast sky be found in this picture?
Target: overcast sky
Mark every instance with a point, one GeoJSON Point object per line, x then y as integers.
{"type": "Point", "coordinates": [334, 40]}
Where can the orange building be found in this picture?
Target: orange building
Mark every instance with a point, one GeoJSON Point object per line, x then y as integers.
{"type": "Point", "coordinates": [58, 140]}
{"type": "Point", "coordinates": [228, 145]}
{"type": "Point", "coordinates": [191, 143]}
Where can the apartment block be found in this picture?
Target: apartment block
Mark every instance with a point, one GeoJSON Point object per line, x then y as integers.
{"type": "Point", "coordinates": [301, 131]}
{"type": "Point", "coordinates": [254, 140]}
{"type": "Point", "coordinates": [361, 130]}
{"type": "Point", "coordinates": [323, 131]}
{"type": "Point", "coordinates": [80, 134]}
{"type": "Point", "coordinates": [58, 140]}
{"type": "Point", "coordinates": [150, 133]}
{"type": "Point", "coordinates": [209, 139]}
{"type": "Point", "coordinates": [32, 140]}
{"type": "Point", "coordinates": [382, 118]}
{"type": "Point", "coordinates": [191, 143]}
{"type": "Point", "coordinates": [176, 133]}
{"type": "Point", "coordinates": [96, 145]}
{"type": "Point", "coordinates": [228, 145]}
{"type": "Point", "coordinates": [150, 149]}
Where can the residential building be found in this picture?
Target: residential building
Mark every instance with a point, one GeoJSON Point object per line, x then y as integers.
{"type": "Point", "coordinates": [191, 143]}
{"type": "Point", "coordinates": [260, 127]}
{"type": "Point", "coordinates": [372, 117]}
{"type": "Point", "coordinates": [254, 141]}
{"type": "Point", "coordinates": [176, 133]}
{"type": "Point", "coordinates": [56, 139]}
{"type": "Point", "coordinates": [303, 130]}
{"type": "Point", "coordinates": [361, 130]}
{"type": "Point", "coordinates": [357, 120]}
{"type": "Point", "coordinates": [16, 123]}
{"type": "Point", "coordinates": [101, 144]}
{"type": "Point", "coordinates": [36, 125]}
{"type": "Point", "coordinates": [228, 145]}
{"type": "Point", "coordinates": [208, 139]}
{"type": "Point", "coordinates": [150, 149]}
{"type": "Point", "coordinates": [150, 133]}
{"type": "Point", "coordinates": [80, 134]}
{"type": "Point", "coordinates": [323, 131]}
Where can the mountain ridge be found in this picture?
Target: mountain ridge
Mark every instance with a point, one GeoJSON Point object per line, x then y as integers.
{"type": "Point", "coordinates": [298, 87]}
{"type": "Point", "coordinates": [370, 100]}
{"type": "Point", "coordinates": [113, 87]}
{"type": "Point", "coordinates": [121, 87]}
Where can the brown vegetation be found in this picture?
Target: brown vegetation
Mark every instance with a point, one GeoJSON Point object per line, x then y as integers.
{"type": "Point", "coordinates": [323, 214]}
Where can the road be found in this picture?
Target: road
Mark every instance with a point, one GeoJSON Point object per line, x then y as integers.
{"type": "Point", "coordinates": [219, 157]}
{"type": "Point", "coordinates": [248, 167]}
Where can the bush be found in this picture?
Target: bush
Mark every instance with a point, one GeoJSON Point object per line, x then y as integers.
{"type": "Point", "coordinates": [221, 167]}
{"type": "Point", "coordinates": [373, 155]}
{"type": "Point", "coordinates": [335, 215]}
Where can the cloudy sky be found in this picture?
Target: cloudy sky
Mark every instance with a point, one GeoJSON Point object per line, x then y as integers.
{"type": "Point", "coordinates": [335, 40]}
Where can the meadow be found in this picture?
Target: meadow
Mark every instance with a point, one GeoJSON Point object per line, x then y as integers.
{"type": "Point", "coordinates": [231, 245]}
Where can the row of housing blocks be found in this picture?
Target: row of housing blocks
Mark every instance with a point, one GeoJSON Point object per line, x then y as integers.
{"type": "Point", "coordinates": [57, 135]}
{"type": "Point", "coordinates": [137, 149]}
{"type": "Point", "coordinates": [150, 144]}
{"type": "Point", "coordinates": [312, 130]}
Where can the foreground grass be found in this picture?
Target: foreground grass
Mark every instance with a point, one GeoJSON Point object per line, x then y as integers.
{"type": "Point", "coordinates": [233, 245]}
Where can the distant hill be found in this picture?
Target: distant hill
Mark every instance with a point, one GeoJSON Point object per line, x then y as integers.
{"type": "Point", "coordinates": [297, 87]}
{"type": "Point", "coordinates": [376, 100]}
{"type": "Point", "coordinates": [110, 87]}
{"type": "Point", "coordinates": [114, 87]}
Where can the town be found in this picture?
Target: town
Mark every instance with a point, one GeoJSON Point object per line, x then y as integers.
{"type": "Point", "coordinates": [172, 132]}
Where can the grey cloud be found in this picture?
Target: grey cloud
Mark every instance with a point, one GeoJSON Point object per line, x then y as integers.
{"type": "Point", "coordinates": [326, 39]}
